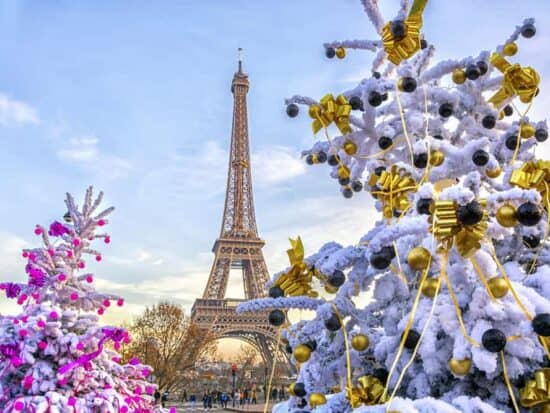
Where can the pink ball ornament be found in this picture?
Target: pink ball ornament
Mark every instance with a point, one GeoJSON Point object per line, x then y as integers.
{"type": "Point", "coordinates": [145, 372]}
{"type": "Point", "coordinates": [69, 254]}
{"type": "Point", "coordinates": [107, 240]}
{"type": "Point", "coordinates": [61, 277]}
{"type": "Point", "coordinates": [42, 345]}
{"type": "Point", "coordinates": [32, 256]}
{"type": "Point", "coordinates": [116, 359]}
{"type": "Point", "coordinates": [40, 324]}
{"type": "Point", "coordinates": [27, 382]}
{"type": "Point", "coordinates": [25, 254]}
{"type": "Point", "coordinates": [16, 361]}
{"type": "Point", "coordinates": [101, 311]}
{"type": "Point", "coordinates": [98, 258]}
{"type": "Point", "coordinates": [53, 315]}
{"type": "Point", "coordinates": [62, 381]}
{"type": "Point", "coordinates": [23, 333]}
{"type": "Point", "coordinates": [22, 298]}
{"type": "Point", "coordinates": [107, 302]}
{"type": "Point", "coordinates": [89, 279]}
{"type": "Point", "coordinates": [81, 264]}
{"type": "Point", "coordinates": [116, 345]}
{"type": "Point", "coordinates": [120, 302]}
{"type": "Point", "coordinates": [137, 390]}
{"type": "Point", "coordinates": [51, 252]}
{"type": "Point", "coordinates": [38, 230]}
{"type": "Point", "coordinates": [72, 401]}
{"type": "Point", "coordinates": [15, 321]}
{"type": "Point", "coordinates": [124, 409]}
{"type": "Point", "coordinates": [18, 406]}
{"type": "Point", "coordinates": [36, 296]}
{"type": "Point", "coordinates": [25, 318]}
{"type": "Point", "coordinates": [133, 361]}
{"type": "Point", "coordinates": [74, 296]}
{"type": "Point", "coordinates": [101, 222]}
{"type": "Point", "coordinates": [76, 242]}
{"type": "Point", "coordinates": [80, 346]}
{"type": "Point", "coordinates": [150, 390]}
{"type": "Point", "coordinates": [172, 410]}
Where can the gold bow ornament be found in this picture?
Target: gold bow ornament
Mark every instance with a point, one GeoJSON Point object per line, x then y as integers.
{"type": "Point", "coordinates": [331, 110]}
{"type": "Point", "coordinates": [368, 391]}
{"type": "Point", "coordinates": [534, 175]}
{"type": "Point", "coordinates": [297, 281]}
{"type": "Point", "coordinates": [517, 80]}
{"type": "Point", "coordinates": [536, 393]}
{"type": "Point", "coordinates": [402, 48]}
{"type": "Point", "coordinates": [448, 229]}
{"type": "Point", "coordinates": [392, 189]}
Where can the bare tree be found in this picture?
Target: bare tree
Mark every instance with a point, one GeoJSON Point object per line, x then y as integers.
{"type": "Point", "coordinates": [246, 359]}
{"type": "Point", "coordinates": [165, 339]}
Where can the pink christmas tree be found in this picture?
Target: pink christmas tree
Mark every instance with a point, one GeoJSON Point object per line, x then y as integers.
{"type": "Point", "coordinates": [54, 355]}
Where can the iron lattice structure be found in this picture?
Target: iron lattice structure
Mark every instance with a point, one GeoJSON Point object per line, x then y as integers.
{"type": "Point", "coordinates": [238, 247]}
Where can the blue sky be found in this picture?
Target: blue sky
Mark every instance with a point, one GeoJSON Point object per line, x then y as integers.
{"type": "Point", "coordinates": [134, 98]}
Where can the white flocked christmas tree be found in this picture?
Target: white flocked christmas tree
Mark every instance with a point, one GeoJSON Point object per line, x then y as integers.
{"type": "Point", "coordinates": [55, 356]}
{"type": "Point", "coordinates": [457, 262]}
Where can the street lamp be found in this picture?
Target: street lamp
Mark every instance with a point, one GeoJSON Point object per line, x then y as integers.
{"type": "Point", "coordinates": [233, 373]}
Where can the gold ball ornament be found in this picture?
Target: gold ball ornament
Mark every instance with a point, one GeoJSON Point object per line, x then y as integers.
{"type": "Point", "coordinates": [493, 173]}
{"type": "Point", "coordinates": [360, 342]}
{"type": "Point", "coordinates": [507, 216]}
{"type": "Point", "coordinates": [437, 158]}
{"type": "Point", "coordinates": [291, 389]}
{"type": "Point", "coordinates": [527, 130]}
{"type": "Point", "coordinates": [419, 258]}
{"type": "Point", "coordinates": [350, 148]}
{"type": "Point", "coordinates": [429, 287]}
{"type": "Point", "coordinates": [387, 212]}
{"type": "Point", "coordinates": [340, 52]}
{"type": "Point", "coordinates": [498, 287]}
{"type": "Point", "coordinates": [402, 203]}
{"type": "Point", "coordinates": [459, 76]}
{"type": "Point", "coordinates": [510, 49]}
{"type": "Point", "coordinates": [302, 353]}
{"type": "Point", "coordinates": [343, 171]}
{"type": "Point", "coordinates": [317, 399]}
{"type": "Point", "coordinates": [460, 367]}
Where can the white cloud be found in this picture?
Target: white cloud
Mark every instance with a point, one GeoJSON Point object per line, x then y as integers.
{"type": "Point", "coordinates": [13, 111]}
{"type": "Point", "coordinates": [276, 164]}
{"type": "Point", "coordinates": [84, 150]}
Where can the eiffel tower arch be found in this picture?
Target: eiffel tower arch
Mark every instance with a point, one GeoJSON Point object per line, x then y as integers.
{"type": "Point", "coordinates": [238, 247]}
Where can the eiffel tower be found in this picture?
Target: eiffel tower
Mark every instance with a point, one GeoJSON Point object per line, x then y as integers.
{"type": "Point", "coordinates": [238, 247]}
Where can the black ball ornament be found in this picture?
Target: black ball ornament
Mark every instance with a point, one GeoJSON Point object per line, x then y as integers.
{"type": "Point", "coordinates": [446, 110]}
{"type": "Point", "coordinates": [347, 193]}
{"type": "Point", "coordinates": [337, 278]}
{"type": "Point", "coordinates": [288, 349]}
{"type": "Point", "coordinates": [357, 186]}
{"type": "Point", "coordinates": [301, 404]}
{"type": "Point", "coordinates": [309, 159]}
{"type": "Point", "coordinates": [528, 30]}
{"type": "Point", "coordinates": [376, 75]}
{"type": "Point", "coordinates": [541, 324]}
{"type": "Point", "coordinates": [412, 339]}
{"type": "Point", "coordinates": [312, 344]}
{"type": "Point", "coordinates": [482, 66]}
{"type": "Point", "coordinates": [382, 259]}
{"type": "Point", "coordinates": [529, 214]}
{"type": "Point", "coordinates": [420, 160]}
{"type": "Point", "coordinates": [321, 157]}
{"type": "Point", "coordinates": [489, 121]}
{"type": "Point", "coordinates": [276, 292]}
{"type": "Point", "coordinates": [472, 72]}
{"type": "Point", "coordinates": [384, 142]}
{"type": "Point", "coordinates": [480, 157]}
{"type": "Point", "coordinates": [398, 29]}
{"type": "Point", "coordinates": [378, 170]}
{"type": "Point", "coordinates": [423, 44]}
{"type": "Point", "coordinates": [375, 98]}
{"type": "Point", "coordinates": [381, 374]}
{"type": "Point", "coordinates": [423, 206]}
{"type": "Point", "coordinates": [330, 52]}
{"type": "Point", "coordinates": [344, 181]}
{"type": "Point", "coordinates": [276, 318]}
{"type": "Point", "coordinates": [470, 214]}
{"type": "Point", "coordinates": [355, 102]}
{"type": "Point", "coordinates": [493, 340]}
{"type": "Point", "coordinates": [333, 160]}
{"type": "Point", "coordinates": [292, 110]}
{"type": "Point", "coordinates": [333, 323]}
{"type": "Point", "coordinates": [541, 134]}
{"type": "Point", "coordinates": [438, 137]}
{"type": "Point", "coordinates": [531, 241]}
{"type": "Point", "coordinates": [299, 389]}
{"type": "Point", "coordinates": [407, 84]}
{"type": "Point", "coordinates": [511, 142]}
{"type": "Point", "coordinates": [508, 110]}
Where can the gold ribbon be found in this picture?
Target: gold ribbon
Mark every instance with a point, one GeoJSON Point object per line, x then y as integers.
{"type": "Point", "coordinates": [533, 175]}
{"type": "Point", "coordinates": [393, 190]}
{"type": "Point", "coordinates": [403, 48]}
{"type": "Point", "coordinates": [368, 391]}
{"type": "Point", "coordinates": [536, 393]}
{"type": "Point", "coordinates": [297, 281]}
{"type": "Point", "coordinates": [517, 80]}
{"type": "Point", "coordinates": [331, 110]}
{"type": "Point", "coordinates": [447, 227]}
